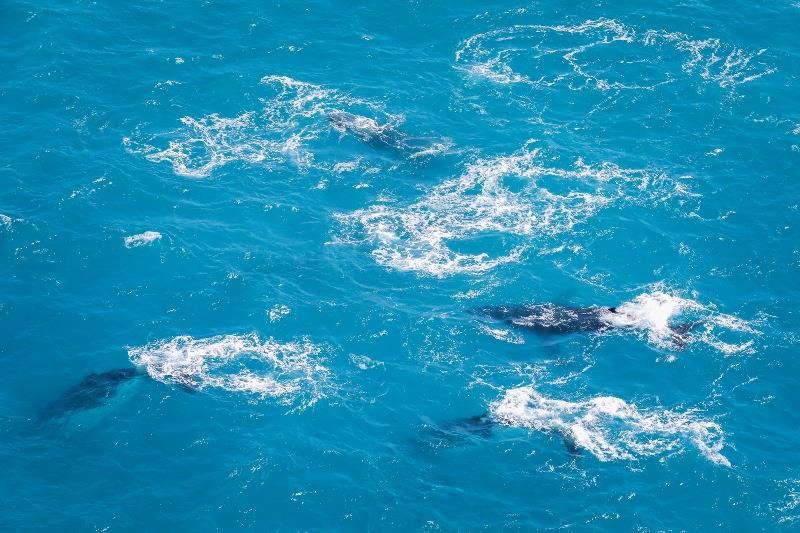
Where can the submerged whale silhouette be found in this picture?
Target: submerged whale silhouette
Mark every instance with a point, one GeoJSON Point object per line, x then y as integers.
{"type": "Point", "coordinates": [562, 320]}
{"type": "Point", "coordinates": [93, 391]}
{"type": "Point", "coordinates": [482, 425]}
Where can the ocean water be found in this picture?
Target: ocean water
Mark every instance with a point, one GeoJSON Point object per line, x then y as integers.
{"type": "Point", "coordinates": [284, 220]}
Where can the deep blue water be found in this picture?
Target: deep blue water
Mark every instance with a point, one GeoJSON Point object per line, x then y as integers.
{"type": "Point", "coordinates": [287, 218]}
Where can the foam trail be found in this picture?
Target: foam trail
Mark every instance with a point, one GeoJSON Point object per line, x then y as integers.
{"type": "Point", "coordinates": [610, 428]}
{"type": "Point", "coordinates": [289, 372]}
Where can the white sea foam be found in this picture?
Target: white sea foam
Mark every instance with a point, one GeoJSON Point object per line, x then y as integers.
{"type": "Point", "coordinates": [364, 363]}
{"type": "Point", "coordinates": [436, 148]}
{"type": "Point", "coordinates": [495, 210]}
{"type": "Point", "coordinates": [713, 60]}
{"type": "Point", "coordinates": [213, 141]}
{"type": "Point", "coordinates": [142, 239]}
{"type": "Point", "coordinates": [787, 509]}
{"type": "Point", "coordinates": [610, 428]}
{"type": "Point", "coordinates": [546, 55]}
{"type": "Point", "coordinates": [292, 373]}
{"type": "Point", "coordinates": [6, 221]}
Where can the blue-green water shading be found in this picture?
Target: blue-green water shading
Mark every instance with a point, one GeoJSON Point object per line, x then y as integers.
{"type": "Point", "coordinates": [288, 215]}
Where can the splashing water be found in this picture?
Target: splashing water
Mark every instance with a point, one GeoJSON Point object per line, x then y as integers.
{"type": "Point", "coordinates": [610, 428]}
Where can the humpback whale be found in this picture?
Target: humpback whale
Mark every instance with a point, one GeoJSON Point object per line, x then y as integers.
{"type": "Point", "coordinates": [562, 320]}
{"type": "Point", "coordinates": [378, 136]}
{"type": "Point", "coordinates": [366, 129]}
{"type": "Point", "coordinates": [93, 391]}
{"type": "Point", "coordinates": [482, 425]}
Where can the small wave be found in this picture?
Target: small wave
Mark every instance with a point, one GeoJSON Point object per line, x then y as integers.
{"type": "Point", "coordinates": [142, 239]}
{"type": "Point", "coordinates": [610, 428]}
{"type": "Point", "coordinates": [578, 56]}
{"type": "Point", "coordinates": [291, 372]}
{"type": "Point", "coordinates": [494, 211]}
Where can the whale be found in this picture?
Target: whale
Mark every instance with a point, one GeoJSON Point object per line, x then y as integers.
{"type": "Point", "coordinates": [563, 320]}
{"type": "Point", "coordinates": [482, 426]}
{"type": "Point", "coordinates": [379, 136]}
{"type": "Point", "coordinates": [93, 391]}
{"type": "Point", "coordinates": [97, 389]}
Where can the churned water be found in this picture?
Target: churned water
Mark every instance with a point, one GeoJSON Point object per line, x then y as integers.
{"type": "Point", "coordinates": [262, 265]}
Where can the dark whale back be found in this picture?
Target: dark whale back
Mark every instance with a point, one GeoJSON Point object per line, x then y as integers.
{"type": "Point", "coordinates": [561, 320]}
{"type": "Point", "coordinates": [548, 318]}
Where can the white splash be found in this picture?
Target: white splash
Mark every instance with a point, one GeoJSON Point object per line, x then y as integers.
{"type": "Point", "coordinates": [142, 239]}
{"type": "Point", "coordinates": [652, 312]}
{"type": "Point", "coordinates": [787, 508]}
{"type": "Point", "coordinates": [501, 206]}
{"type": "Point", "coordinates": [289, 372]}
{"type": "Point", "coordinates": [610, 428]}
{"type": "Point", "coordinates": [660, 312]}
{"type": "Point", "coordinates": [364, 362]}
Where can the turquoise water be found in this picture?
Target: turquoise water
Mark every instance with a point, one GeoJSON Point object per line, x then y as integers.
{"type": "Point", "coordinates": [287, 217]}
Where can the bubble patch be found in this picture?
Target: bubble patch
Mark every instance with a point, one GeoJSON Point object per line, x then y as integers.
{"type": "Point", "coordinates": [610, 428]}
{"type": "Point", "coordinates": [601, 54]}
